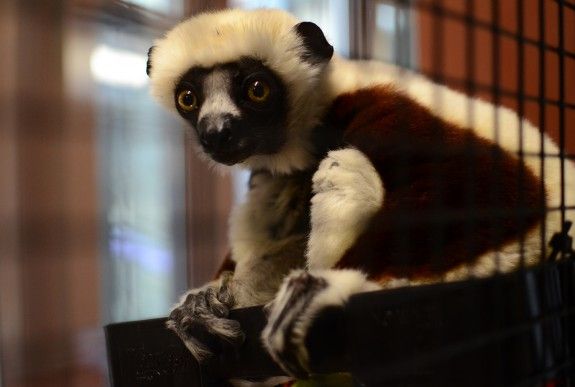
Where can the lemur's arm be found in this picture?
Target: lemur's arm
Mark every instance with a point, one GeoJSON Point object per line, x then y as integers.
{"type": "Point", "coordinates": [458, 195]}
{"type": "Point", "coordinates": [391, 209]}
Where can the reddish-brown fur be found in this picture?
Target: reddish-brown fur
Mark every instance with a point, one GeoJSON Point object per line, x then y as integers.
{"type": "Point", "coordinates": [227, 265]}
{"type": "Point", "coordinates": [449, 195]}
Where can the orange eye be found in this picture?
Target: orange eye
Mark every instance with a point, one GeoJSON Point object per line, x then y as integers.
{"type": "Point", "coordinates": [258, 91]}
{"type": "Point", "coordinates": [187, 100]}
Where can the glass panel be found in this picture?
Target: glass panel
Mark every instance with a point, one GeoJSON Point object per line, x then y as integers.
{"type": "Point", "coordinates": [392, 34]}
{"type": "Point", "coordinates": [141, 166]}
{"type": "Point", "coordinates": [143, 186]}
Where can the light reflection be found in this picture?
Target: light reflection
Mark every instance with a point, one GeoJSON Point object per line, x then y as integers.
{"type": "Point", "coordinates": [118, 67]}
{"type": "Point", "coordinates": [131, 246]}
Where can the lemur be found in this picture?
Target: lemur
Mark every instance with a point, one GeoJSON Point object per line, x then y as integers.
{"type": "Point", "coordinates": [363, 175]}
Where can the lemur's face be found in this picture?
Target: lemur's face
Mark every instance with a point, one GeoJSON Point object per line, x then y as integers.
{"type": "Point", "coordinates": [258, 113]}
{"type": "Point", "coordinates": [237, 109]}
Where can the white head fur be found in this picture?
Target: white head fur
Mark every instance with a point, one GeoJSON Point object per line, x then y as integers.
{"type": "Point", "coordinates": [226, 36]}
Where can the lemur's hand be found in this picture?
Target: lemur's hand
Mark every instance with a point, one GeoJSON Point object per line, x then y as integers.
{"type": "Point", "coordinates": [302, 297]}
{"type": "Point", "coordinates": [200, 319]}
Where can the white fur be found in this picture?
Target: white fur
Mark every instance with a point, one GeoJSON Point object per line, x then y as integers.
{"type": "Point", "coordinates": [294, 325]}
{"type": "Point", "coordinates": [217, 102]}
{"type": "Point", "coordinates": [347, 193]}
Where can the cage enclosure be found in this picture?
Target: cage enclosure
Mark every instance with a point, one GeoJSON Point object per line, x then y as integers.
{"type": "Point", "coordinates": [509, 328]}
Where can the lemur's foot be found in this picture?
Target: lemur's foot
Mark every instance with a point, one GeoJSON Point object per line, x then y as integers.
{"type": "Point", "coordinates": [301, 298]}
{"type": "Point", "coordinates": [347, 192]}
{"type": "Point", "coordinates": [200, 319]}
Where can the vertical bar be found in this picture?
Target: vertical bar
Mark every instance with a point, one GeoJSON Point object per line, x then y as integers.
{"type": "Point", "coordinates": [406, 32]}
{"type": "Point", "coordinates": [470, 55]}
{"type": "Point", "coordinates": [470, 191]}
{"type": "Point", "coordinates": [522, 209]}
{"type": "Point", "coordinates": [437, 33]}
{"type": "Point", "coordinates": [561, 53]}
{"type": "Point", "coordinates": [403, 236]}
{"type": "Point", "coordinates": [441, 214]}
{"type": "Point", "coordinates": [359, 47]}
{"type": "Point", "coordinates": [402, 48]}
{"type": "Point", "coordinates": [495, 190]}
{"type": "Point", "coordinates": [397, 49]}
{"type": "Point", "coordinates": [354, 38]}
{"type": "Point", "coordinates": [495, 62]}
{"type": "Point", "coordinates": [542, 116]}
{"type": "Point", "coordinates": [542, 343]}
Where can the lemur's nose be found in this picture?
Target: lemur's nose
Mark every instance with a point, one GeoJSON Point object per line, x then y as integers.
{"type": "Point", "coordinates": [215, 132]}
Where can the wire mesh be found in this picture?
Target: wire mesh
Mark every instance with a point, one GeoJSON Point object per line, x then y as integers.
{"type": "Point", "coordinates": [511, 36]}
{"type": "Point", "coordinates": [513, 33]}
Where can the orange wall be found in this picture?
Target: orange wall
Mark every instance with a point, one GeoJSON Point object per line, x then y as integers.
{"type": "Point", "coordinates": [446, 37]}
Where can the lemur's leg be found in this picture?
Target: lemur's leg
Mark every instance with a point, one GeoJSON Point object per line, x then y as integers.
{"type": "Point", "coordinates": [347, 193]}
{"type": "Point", "coordinates": [200, 318]}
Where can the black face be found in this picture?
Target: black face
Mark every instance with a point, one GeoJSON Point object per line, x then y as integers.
{"type": "Point", "coordinates": [237, 109]}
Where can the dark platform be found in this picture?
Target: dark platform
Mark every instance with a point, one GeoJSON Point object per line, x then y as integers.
{"type": "Point", "coordinates": [510, 330]}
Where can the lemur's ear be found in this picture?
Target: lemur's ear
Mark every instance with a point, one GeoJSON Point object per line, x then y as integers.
{"type": "Point", "coordinates": [149, 63]}
{"type": "Point", "coordinates": [318, 50]}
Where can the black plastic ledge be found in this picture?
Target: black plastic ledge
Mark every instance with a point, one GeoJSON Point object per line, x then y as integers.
{"type": "Point", "coordinates": [509, 330]}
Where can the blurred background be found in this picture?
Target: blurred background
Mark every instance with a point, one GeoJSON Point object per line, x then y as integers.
{"type": "Point", "coordinates": [105, 214]}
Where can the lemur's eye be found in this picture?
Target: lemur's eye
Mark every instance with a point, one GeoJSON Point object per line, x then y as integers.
{"type": "Point", "coordinates": [187, 100]}
{"type": "Point", "coordinates": [258, 91]}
